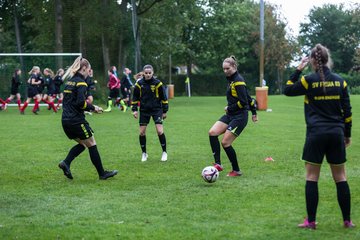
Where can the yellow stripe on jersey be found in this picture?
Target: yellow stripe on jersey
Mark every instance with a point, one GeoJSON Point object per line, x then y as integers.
{"type": "Point", "coordinates": [239, 104]}
{"type": "Point", "coordinates": [306, 100]}
{"type": "Point", "coordinates": [345, 84]}
{"type": "Point", "coordinates": [233, 85]}
{"type": "Point", "coordinates": [164, 102]}
{"type": "Point", "coordinates": [289, 82]}
{"type": "Point", "coordinates": [81, 84]}
{"type": "Point", "coordinates": [85, 105]}
{"type": "Point", "coordinates": [67, 91]}
{"type": "Point", "coordinates": [157, 89]}
{"type": "Point", "coordinates": [349, 119]}
{"type": "Point", "coordinates": [239, 84]}
{"type": "Point", "coordinates": [304, 82]}
{"type": "Point", "coordinates": [137, 85]}
{"type": "Point", "coordinates": [135, 102]}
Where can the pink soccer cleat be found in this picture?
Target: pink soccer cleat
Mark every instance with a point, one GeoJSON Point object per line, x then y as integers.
{"type": "Point", "coordinates": [234, 174]}
{"type": "Point", "coordinates": [307, 224]}
{"type": "Point", "coordinates": [219, 167]}
{"type": "Point", "coordinates": [348, 224]}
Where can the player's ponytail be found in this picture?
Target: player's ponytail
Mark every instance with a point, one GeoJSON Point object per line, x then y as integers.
{"type": "Point", "coordinates": [321, 58]}
{"type": "Point", "coordinates": [78, 64]}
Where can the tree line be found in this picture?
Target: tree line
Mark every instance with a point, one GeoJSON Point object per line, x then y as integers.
{"type": "Point", "coordinates": [171, 33]}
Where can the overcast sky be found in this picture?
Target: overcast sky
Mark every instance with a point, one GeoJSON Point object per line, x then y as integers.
{"type": "Point", "coordinates": [296, 11]}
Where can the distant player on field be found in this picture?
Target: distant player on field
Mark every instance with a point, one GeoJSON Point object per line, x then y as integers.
{"type": "Point", "coordinates": [150, 92]}
{"type": "Point", "coordinates": [235, 119]}
{"type": "Point", "coordinates": [34, 82]}
{"type": "Point", "coordinates": [328, 119]}
{"type": "Point", "coordinates": [15, 83]}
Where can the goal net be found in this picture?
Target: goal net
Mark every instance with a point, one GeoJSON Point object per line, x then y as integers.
{"type": "Point", "coordinates": [25, 61]}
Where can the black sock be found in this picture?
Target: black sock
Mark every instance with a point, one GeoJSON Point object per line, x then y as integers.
{"type": "Point", "coordinates": [162, 140]}
{"type": "Point", "coordinates": [312, 199]}
{"type": "Point", "coordinates": [215, 147]}
{"type": "Point", "coordinates": [73, 153]}
{"type": "Point", "coordinates": [230, 152]}
{"type": "Point", "coordinates": [96, 160]}
{"type": "Point", "coordinates": [142, 140]}
{"type": "Point", "coordinates": [344, 199]}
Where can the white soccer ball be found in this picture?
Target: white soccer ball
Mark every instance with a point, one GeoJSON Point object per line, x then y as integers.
{"type": "Point", "coordinates": [210, 174]}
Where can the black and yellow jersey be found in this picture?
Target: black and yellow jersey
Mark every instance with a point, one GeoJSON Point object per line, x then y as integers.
{"type": "Point", "coordinates": [74, 102]}
{"type": "Point", "coordinates": [151, 95]}
{"type": "Point", "coordinates": [237, 96]}
{"type": "Point", "coordinates": [327, 103]}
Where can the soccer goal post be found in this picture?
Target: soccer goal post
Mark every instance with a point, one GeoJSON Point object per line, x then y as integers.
{"type": "Point", "coordinates": [25, 61]}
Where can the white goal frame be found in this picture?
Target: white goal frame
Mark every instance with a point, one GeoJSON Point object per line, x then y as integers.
{"type": "Point", "coordinates": [36, 55]}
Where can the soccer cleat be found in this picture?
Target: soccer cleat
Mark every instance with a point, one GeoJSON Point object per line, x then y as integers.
{"type": "Point", "coordinates": [164, 157]}
{"type": "Point", "coordinates": [108, 174]}
{"type": "Point", "coordinates": [307, 224]}
{"type": "Point", "coordinates": [4, 106]}
{"type": "Point", "coordinates": [107, 110]}
{"type": "Point", "coordinates": [144, 157]}
{"type": "Point", "coordinates": [234, 174]}
{"type": "Point", "coordinates": [348, 224]}
{"type": "Point", "coordinates": [219, 167]}
{"type": "Point", "coordinates": [88, 113]}
{"type": "Point", "coordinates": [66, 169]}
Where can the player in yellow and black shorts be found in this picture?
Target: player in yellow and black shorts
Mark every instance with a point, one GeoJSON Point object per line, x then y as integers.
{"type": "Point", "coordinates": [235, 119]}
{"type": "Point", "coordinates": [150, 93]}
{"type": "Point", "coordinates": [328, 120]}
{"type": "Point", "coordinates": [73, 119]}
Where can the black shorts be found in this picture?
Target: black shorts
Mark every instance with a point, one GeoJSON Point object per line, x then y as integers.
{"type": "Point", "coordinates": [14, 90]}
{"type": "Point", "coordinates": [32, 92]}
{"type": "Point", "coordinates": [124, 94]}
{"type": "Point", "coordinates": [81, 130]}
{"type": "Point", "coordinates": [114, 93]}
{"type": "Point", "coordinates": [236, 123]}
{"type": "Point", "coordinates": [331, 145]}
{"type": "Point", "coordinates": [144, 118]}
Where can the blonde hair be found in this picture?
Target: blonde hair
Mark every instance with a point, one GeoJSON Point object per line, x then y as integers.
{"type": "Point", "coordinates": [34, 68]}
{"type": "Point", "coordinates": [232, 61]}
{"type": "Point", "coordinates": [50, 72]}
{"type": "Point", "coordinates": [78, 64]}
{"type": "Point", "coordinates": [59, 71]}
{"type": "Point", "coordinates": [138, 75]}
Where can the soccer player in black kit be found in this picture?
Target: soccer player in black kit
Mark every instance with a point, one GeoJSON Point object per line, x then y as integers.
{"type": "Point", "coordinates": [235, 119]}
{"type": "Point", "coordinates": [328, 119]}
{"type": "Point", "coordinates": [73, 119]}
{"type": "Point", "coordinates": [150, 92]}
{"type": "Point", "coordinates": [15, 83]}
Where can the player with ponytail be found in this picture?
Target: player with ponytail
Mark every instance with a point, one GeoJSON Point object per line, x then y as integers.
{"type": "Point", "coordinates": [235, 119]}
{"type": "Point", "coordinates": [73, 119]}
{"type": "Point", "coordinates": [328, 119]}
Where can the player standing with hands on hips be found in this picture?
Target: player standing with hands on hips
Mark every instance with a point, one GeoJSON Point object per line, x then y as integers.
{"type": "Point", "coordinates": [150, 92]}
{"type": "Point", "coordinates": [235, 119]}
{"type": "Point", "coordinates": [328, 119]}
{"type": "Point", "coordinates": [73, 119]}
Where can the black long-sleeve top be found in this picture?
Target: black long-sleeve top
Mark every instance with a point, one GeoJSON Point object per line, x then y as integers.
{"type": "Point", "coordinates": [74, 103]}
{"type": "Point", "coordinates": [151, 95]}
{"type": "Point", "coordinates": [329, 108]}
{"type": "Point", "coordinates": [237, 96]}
{"type": "Point", "coordinates": [15, 81]}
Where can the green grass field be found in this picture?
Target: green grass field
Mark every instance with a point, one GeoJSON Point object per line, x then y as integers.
{"type": "Point", "coordinates": [156, 200]}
